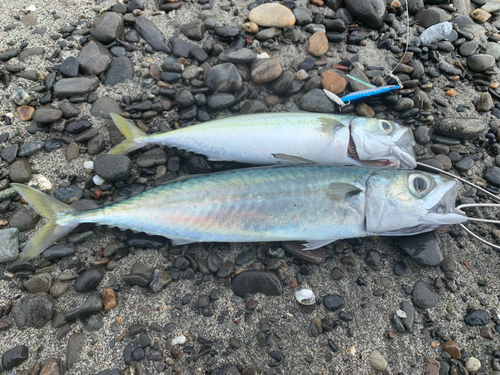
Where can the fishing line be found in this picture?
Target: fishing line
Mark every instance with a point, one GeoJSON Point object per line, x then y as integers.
{"type": "Point", "coordinates": [391, 72]}
{"type": "Point", "coordinates": [471, 205]}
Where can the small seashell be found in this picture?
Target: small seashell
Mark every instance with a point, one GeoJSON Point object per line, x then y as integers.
{"type": "Point", "coordinates": [305, 297]}
{"type": "Point", "coordinates": [352, 351]}
{"type": "Point", "coordinates": [41, 182]}
{"type": "Point", "coordinates": [179, 340]}
{"type": "Point", "coordinates": [109, 298]}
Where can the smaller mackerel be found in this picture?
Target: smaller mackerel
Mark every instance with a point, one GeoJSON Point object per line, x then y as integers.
{"type": "Point", "coordinates": [285, 138]}
{"type": "Point", "coordinates": [316, 204]}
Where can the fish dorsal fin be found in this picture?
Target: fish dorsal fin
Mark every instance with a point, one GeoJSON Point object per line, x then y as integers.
{"type": "Point", "coordinates": [330, 125]}
{"type": "Point", "coordinates": [342, 190]}
{"type": "Point", "coordinates": [290, 159]}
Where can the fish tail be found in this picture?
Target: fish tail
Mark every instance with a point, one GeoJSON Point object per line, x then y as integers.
{"type": "Point", "coordinates": [49, 208]}
{"type": "Point", "coordinates": [132, 134]}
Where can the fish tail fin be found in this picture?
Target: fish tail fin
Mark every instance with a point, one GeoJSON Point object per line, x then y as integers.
{"type": "Point", "coordinates": [132, 134]}
{"type": "Point", "coordinates": [49, 208]}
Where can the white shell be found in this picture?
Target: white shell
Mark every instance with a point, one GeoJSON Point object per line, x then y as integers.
{"type": "Point", "coordinates": [305, 297]}
{"type": "Point", "coordinates": [263, 55]}
{"type": "Point", "coordinates": [179, 340]}
{"type": "Point", "coordinates": [98, 180]}
{"type": "Point", "coordinates": [41, 182]}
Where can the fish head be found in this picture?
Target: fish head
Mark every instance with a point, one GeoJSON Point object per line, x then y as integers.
{"type": "Point", "coordinates": [404, 202]}
{"type": "Point", "coordinates": [380, 142]}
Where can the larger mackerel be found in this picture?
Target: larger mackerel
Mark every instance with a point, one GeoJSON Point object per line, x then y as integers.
{"type": "Point", "coordinates": [316, 204]}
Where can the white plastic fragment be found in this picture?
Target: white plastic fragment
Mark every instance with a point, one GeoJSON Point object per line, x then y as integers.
{"type": "Point", "coordinates": [89, 164]}
{"type": "Point", "coordinates": [98, 180]}
{"type": "Point", "coordinates": [263, 55]}
{"type": "Point", "coordinates": [401, 314]}
{"type": "Point", "coordinates": [179, 340]}
{"type": "Point", "coordinates": [305, 297]}
{"type": "Point", "coordinates": [31, 8]}
{"type": "Point", "coordinates": [10, 115]}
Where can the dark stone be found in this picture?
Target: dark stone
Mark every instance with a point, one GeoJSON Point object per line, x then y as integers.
{"type": "Point", "coordinates": [89, 279]}
{"type": "Point", "coordinates": [120, 71]}
{"type": "Point", "coordinates": [477, 318]}
{"type": "Point", "coordinates": [333, 302]}
{"type": "Point", "coordinates": [316, 101]}
{"type": "Point", "coordinates": [69, 67]}
{"type": "Point", "coordinates": [425, 249]}
{"type": "Point", "coordinates": [151, 34]}
{"type": "Point", "coordinates": [14, 357]}
{"type": "Point", "coordinates": [424, 297]}
{"type": "Point", "coordinates": [250, 282]}
{"type": "Point", "coordinates": [113, 167]}
{"type": "Point", "coordinates": [34, 310]}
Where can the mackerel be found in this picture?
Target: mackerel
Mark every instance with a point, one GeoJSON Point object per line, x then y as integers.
{"type": "Point", "coordinates": [285, 138]}
{"type": "Point", "coordinates": [315, 204]}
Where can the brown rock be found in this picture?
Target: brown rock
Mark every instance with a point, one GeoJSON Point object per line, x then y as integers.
{"type": "Point", "coordinates": [317, 44]}
{"type": "Point", "coordinates": [487, 333]}
{"type": "Point", "coordinates": [155, 72]}
{"type": "Point", "coordinates": [72, 151]}
{"type": "Point", "coordinates": [480, 15]}
{"type": "Point", "coordinates": [296, 249]}
{"type": "Point", "coordinates": [432, 366]}
{"type": "Point", "coordinates": [51, 366]}
{"type": "Point", "coordinates": [363, 109]}
{"type": "Point", "coordinates": [251, 27]}
{"type": "Point", "coordinates": [451, 93]}
{"type": "Point", "coordinates": [29, 19]}
{"type": "Point", "coordinates": [333, 82]}
{"type": "Point", "coordinates": [266, 70]}
{"type": "Point", "coordinates": [109, 298]}
{"type": "Point", "coordinates": [318, 3]}
{"type": "Point", "coordinates": [25, 112]}
{"type": "Point", "coordinates": [272, 15]}
{"type": "Point", "coordinates": [452, 349]}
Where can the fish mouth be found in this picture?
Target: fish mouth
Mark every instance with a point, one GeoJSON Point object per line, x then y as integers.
{"type": "Point", "coordinates": [441, 207]}
{"type": "Point", "coordinates": [353, 153]}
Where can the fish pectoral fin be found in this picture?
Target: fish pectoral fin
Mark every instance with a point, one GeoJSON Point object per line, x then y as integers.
{"type": "Point", "coordinates": [311, 245]}
{"type": "Point", "coordinates": [341, 190]}
{"type": "Point", "coordinates": [330, 125]}
{"type": "Point", "coordinates": [178, 241]}
{"type": "Point", "coordinates": [290, 159]}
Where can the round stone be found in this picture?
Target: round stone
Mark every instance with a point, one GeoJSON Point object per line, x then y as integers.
{"type": "Point", "coordinates": [480, 62]}
{"type": "Point", "coordinates": [378, 361]}
{"type": "Point", "coordinates": [265, 70]}
{"type": "Point", "coordinates": [47, 115]}
{"type": "Point", "coordinates": [107, 27]}
{"type": "Point", "coordinates": [423, 297]}
{"type": "Point", "coordinates": [25, 112]}
{"type": "Point", "coordinates": [333, 82]}
{"type": "Point", "coordinates": [317, 44]}
{"type": "Point", "coordinates": [333, 302]}
{"type": "Point", "coordinates": [473, 364]}
{"type": "Point", "coordinates": [272, 15]}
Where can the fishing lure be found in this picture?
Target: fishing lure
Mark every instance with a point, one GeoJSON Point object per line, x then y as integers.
{"type": "Point", "coordinates": [285, 138]}
{"type": "Point", "coordinates": [316, 204]}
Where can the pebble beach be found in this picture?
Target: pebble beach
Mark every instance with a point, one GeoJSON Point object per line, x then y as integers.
{"type": "Point", "coordinates": [109, 302]}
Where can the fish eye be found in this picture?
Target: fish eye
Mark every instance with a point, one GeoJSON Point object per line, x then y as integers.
{"type": "Point", "coordinates": [419, 184]}
{"type": "Point", "coordinates": [386, 126]}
